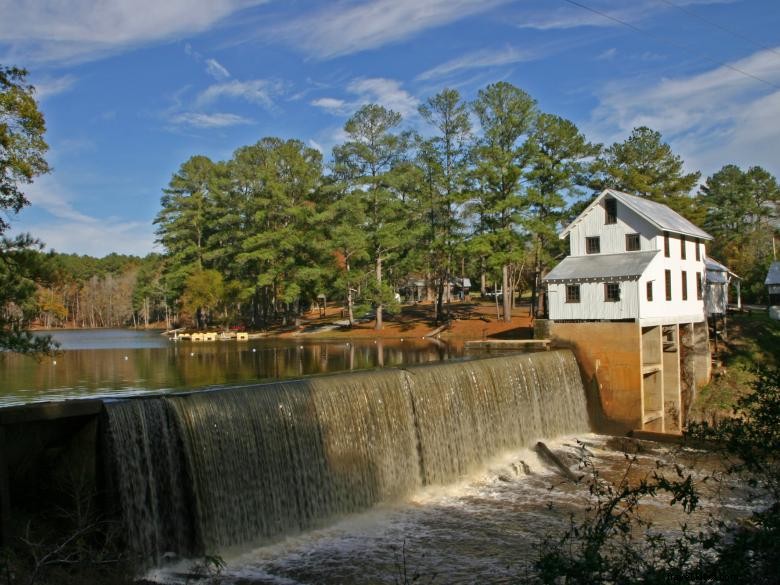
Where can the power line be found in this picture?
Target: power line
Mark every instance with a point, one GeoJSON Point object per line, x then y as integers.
{"type": "Point", "coordinates": [712, 23]}
{"type": "Point", "coordinates": [672, 42]}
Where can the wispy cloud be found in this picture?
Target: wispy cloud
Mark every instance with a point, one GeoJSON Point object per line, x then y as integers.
{"type": "Point", "coordinates": [478, 60]}
{"type": "Point", "coordinates": [215, 120]}
{"type": "Point", "coordinates": [570, 16]}
{"type": "Point", "coordinates": [607, 55]}
{"type": "Point", "coordinates": [216, 69]}
{"type": "Point", "coordinates": [78, 30]}
{"type": "Point", "coordinates": [343, 28]}
{"type": "Point", "coordinates": [376, 90]}
{"type": "Point", "coordinates": [713, 118]}
{"type": "Point", "coordinates": [51, 86]}
{"type": "Point", "coordinates": [60, 225]}
{"type": "Point", "coordinates": [256, 91]}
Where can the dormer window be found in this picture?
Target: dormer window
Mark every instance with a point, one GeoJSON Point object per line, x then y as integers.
{"type": "Point", "coordinates": [593, 245]}
{"type": "Point", "coordinates": [611, 208]}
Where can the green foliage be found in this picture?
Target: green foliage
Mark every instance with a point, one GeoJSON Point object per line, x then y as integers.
{"type": "Point", "coordinates": [22, 147]}
{"type": "Point", "coordinates": [560, 166]}
{"type": "Point", "coordinates": [21, 267]}
{"type": "Point", "coordinates": [184, 222]}
{"type": "Point", "coordinates": [644, 165]}
{"type": "Point", "coordinates": [507, 116]}
{"type": "Point", "coordinates": [203, 291]}
{"type": "Point", "coordinates": [443, 186]}
{"type": "Point", "coordinates": [22, 150]}
{"type": "Point", "coordinates": [741, 210]}
{"type": "Point", "coordinates": [370, 170]}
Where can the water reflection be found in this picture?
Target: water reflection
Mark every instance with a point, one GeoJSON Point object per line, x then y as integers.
{"type": "Point", "coordinates": [98, 362]}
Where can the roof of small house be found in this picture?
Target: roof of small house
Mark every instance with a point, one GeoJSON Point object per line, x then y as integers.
{"type": "Point", "coordinates": [600, 266]}
{"type": "Point", "coordinates": [773, 276]}
{"type": "Point", "coordinates": [657, 214]}
{"type": "Point", "coordinates": [717, 272]}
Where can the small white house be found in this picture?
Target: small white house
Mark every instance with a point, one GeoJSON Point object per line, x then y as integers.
{"type": "Point", "coordinates": [631, 259]}
{"type": "Point", "coordinates": [716, 292]}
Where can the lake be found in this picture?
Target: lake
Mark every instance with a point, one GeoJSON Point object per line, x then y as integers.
{"type": "Point", "coordinates": [100, 362]}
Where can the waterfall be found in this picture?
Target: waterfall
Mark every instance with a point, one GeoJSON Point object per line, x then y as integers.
{"type": "Point", "coordinates": [197, 472]}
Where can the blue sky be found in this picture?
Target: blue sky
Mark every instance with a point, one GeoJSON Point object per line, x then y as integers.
{"type": "Point", "coordinates": [133, 88]}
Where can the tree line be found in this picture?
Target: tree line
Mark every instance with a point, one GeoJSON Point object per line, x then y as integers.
{"type": "Point", "coordinates": [477, 189]}
{"type": "Point", "coordinates": [480, 190]}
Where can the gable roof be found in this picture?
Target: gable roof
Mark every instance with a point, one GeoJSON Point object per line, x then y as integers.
{"type": "Point", "coordinates": [601, 266]}
{"type": "Point", "coordinates": [773, 276]}
{"type": "Point", "coordinates": [657, 214]}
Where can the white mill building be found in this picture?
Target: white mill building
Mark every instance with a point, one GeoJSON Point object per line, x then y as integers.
{"type": "Point", "coordinates": [631, 290]}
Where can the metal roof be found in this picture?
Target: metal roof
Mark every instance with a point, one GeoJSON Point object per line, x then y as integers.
{"type": "Point", "coordinates": [657, 214]}
{"type": "Point", "coordinates": [713, 266]}
{"type": "Point", "coordinates": [716, 277]}
{"type": "Point", "coordinates": [773, 276]}
{"type": "Point", "coordinates": [621, 266]}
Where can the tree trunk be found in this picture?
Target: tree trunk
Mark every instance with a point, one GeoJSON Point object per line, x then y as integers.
{"type": "Point", "coordinates": [439, 312]}
{"type": "Point", "coordinates": [350, 301]}
{"type": "Point", "coordinates": [378, 325]}
{"type": "Point", "coordinates": [507, 292]}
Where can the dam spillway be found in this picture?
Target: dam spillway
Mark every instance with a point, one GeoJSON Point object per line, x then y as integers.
{"type": "Point", "coordinates": [196, 473]}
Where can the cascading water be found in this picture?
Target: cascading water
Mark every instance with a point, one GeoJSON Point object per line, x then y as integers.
{"type": "Point", "coordinates": [198, 472]}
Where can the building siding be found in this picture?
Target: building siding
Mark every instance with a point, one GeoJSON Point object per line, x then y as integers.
{"type": "Point", "coordinates": [633, 303]}
{"type": "Point", "coordinates": [592, 305]}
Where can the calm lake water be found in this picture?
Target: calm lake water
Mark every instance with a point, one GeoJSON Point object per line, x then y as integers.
{"type": "Point", "coordinates": [98, 362]}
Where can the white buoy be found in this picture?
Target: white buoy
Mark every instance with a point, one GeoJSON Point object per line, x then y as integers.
{"type": "Point", "coordinates": [253, 350]}
{"type": "Point", "coordinates": [192, 353]}
{"type": "Point", "coordinates": [125, 358]}
{"type": "Point", "coordinates": [54, 362]}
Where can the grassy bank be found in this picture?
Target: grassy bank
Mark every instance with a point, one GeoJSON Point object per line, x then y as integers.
{"type": "Point", "coordinates": [752, 344]}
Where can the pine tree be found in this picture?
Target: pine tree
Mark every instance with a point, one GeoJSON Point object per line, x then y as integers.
{"type": "Point", "coordinates": [506, 115]}
{"type": "Point", "coordinates": [644, 165]}
{"type": "Point", "coordinates": [560, 166]}
{"type": "Point", "coordinates": [443, 160]}
{"type": "Point", "coordinates": [368, 165]}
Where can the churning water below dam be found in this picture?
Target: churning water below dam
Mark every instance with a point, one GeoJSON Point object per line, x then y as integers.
{"type": "Point", "coordinates": [486, 528]}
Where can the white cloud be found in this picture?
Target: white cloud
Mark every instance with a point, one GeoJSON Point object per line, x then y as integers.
{"type": "Point", "coordinates": [316, 145]}
{"type": "Point", "coordinates": [713, 118]}
{"type": "Point", "coordinates": [72, 231]}
{"type": "Point", "coordinates": [51, 86]}
{"type": "Point", "coordinates": [344, 28]}
{"type": "Point", "coordinates": [201, 120]}
{"type": "Point", "coordinates": [385, 92]}
{"type": "Point", "coordinates": [333, 105]}
{"type": "Point", "coordinates": [98, 238]}
{"type": "Point", "coordinates": [77, 30]}
{"type": "Point", "coordinates": [371, 90]}
{"type": "Point", "coordinates": [478, 60]}
{"type": "Point", "coordinates": [216, 69]}
{"type": "Point", "coordinates": [257, 91]}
